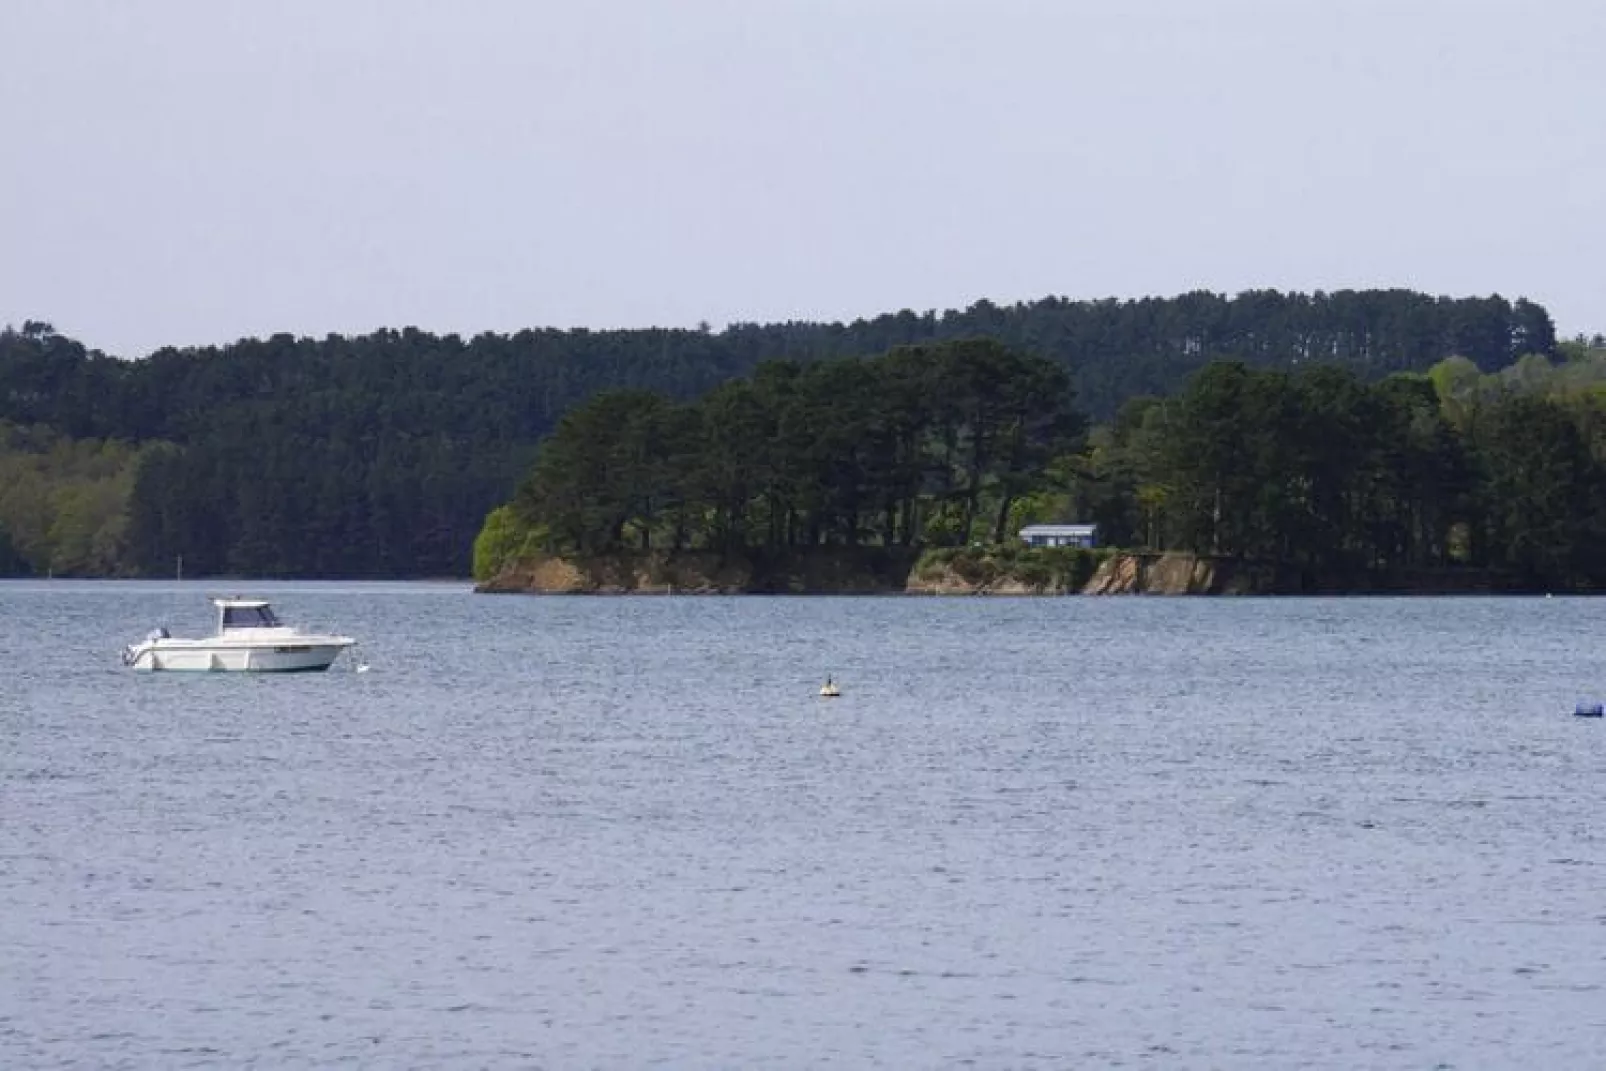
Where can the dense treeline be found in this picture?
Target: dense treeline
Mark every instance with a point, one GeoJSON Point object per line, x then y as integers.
{"type": "Point", "coordinates": [1504, 473]}
{"type": "Point", "coordinates": [1316, 470]}
{"type": "Point", "coordinates": [63, 502]}
{"type": "Point", "coordinates": [379, 455]}
{"type": "Point", "coordinates": [1115, 350]}
{"type": "Point", "coordinates": [927, 444]}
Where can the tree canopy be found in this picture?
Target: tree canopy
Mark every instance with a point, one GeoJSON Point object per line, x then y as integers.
{"type": "Point", "coordinates": [380, 455]}
{"type": "Point", "coordinates": [904, 449]}
{"type": "Point", "coordinates": [1321, 470]}
{"type": "Point", "coordinates": [1315, 470]}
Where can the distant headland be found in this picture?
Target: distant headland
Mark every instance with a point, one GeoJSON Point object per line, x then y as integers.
{"type": "Point", "coordinates": [918, 471]}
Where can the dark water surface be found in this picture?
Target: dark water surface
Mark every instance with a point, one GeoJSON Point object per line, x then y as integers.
{"type": "Point", "coordinates": [625, 832]}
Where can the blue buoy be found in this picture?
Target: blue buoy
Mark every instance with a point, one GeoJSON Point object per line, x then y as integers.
{"type": "Point", "coordinates": [1590, 710]}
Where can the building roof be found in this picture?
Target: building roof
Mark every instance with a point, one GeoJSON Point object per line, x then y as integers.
{"type": "Point", "coordinates": [1060, 529]}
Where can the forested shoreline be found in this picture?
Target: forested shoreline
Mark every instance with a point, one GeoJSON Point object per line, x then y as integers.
{"type": "Point", "coordinates": [926, 445]}
{"type": "Point", "coordinates": [381, 455]}
{"type": "Point", "coordinates": [1334, 481]}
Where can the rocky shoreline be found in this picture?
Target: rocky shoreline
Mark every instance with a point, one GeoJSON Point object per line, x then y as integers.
{"type": "Point", "coordinates": [896, 571]}
{"type": "Point", "coordinates": [863, 573]}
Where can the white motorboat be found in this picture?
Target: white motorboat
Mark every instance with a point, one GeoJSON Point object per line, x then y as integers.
{"type": "Point", "coordinates": [250, 639]}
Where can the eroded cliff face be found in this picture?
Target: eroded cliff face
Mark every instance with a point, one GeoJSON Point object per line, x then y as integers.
{"type": "Point", "coordinates": [883, 571]}
{"type": "Point", "coordinates": [1176, 573]}
{"type": "Point", "coordinates": [868, 571]}
{"type": "Point", "coordinates": [843, 570]}
{"type": "Point", "coordinates": [945, 580]}
{"type": "Point", "coordinates": [637, 574]}
{"type": "Point", "coordinates": [948, 582]}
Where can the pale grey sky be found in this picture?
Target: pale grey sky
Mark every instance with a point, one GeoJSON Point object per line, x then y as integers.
{"type": "Point", "coordinates": [193, 171]}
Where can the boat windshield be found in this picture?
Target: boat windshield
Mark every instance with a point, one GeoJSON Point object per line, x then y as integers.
{"type": "Point", "coordinates": [249, 617]}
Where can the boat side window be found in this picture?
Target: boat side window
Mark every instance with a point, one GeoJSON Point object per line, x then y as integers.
{"type": "Point", "coordinates": [248, 617]}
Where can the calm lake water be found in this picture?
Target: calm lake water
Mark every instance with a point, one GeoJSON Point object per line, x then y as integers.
{"type": "Point", "coordinates": [563, 832]}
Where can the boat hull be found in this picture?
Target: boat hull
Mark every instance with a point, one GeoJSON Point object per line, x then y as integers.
{"type": "Point", "coordinates": [234, 658]}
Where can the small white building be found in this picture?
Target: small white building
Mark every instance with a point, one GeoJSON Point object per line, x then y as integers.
{"type": "Point", "coordinates": [1060, 535]}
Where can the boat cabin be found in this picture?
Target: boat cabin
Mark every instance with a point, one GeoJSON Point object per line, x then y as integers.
{"type": "Point", "coordinates": [244, 613]}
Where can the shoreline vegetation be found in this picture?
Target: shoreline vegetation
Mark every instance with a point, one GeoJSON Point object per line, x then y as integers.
{"type": "Point", "coordinates": [914, 471]}
{"type": "Point", "coordinates": [1352, 440]}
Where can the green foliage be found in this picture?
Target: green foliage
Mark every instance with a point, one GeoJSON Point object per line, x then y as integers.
{"type": "Point", "coordinates": [12, 563]}
{"type": "Point", "coordinates": [63, 502]}
{"type": "Point", "coordinates": [380, 455]}
{"type": "Point", "coordinates": [1340, 478]}
{"type": "Point", "coordinates": [1315, 469]}
{"type": "Point", "coordinates": [846, 452]}
{"type": "Point", "coordinates": [1455, 379]}
{"type": "Point", "coordinates": [1541, 497]}
{"type": "Point", "coordinates": [504, 539]}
